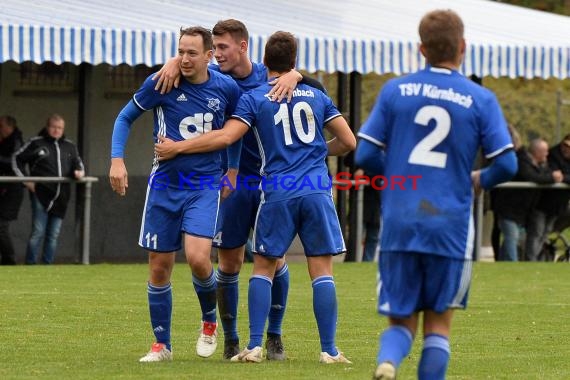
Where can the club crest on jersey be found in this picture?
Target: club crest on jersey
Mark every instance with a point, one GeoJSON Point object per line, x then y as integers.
{"type": "Point", "coordinates": [214, 104]}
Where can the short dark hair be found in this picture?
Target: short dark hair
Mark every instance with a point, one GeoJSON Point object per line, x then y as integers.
{"type": "Point", "coordinates": [198, 31]}
{"type": "Point", "coordinates": [235, 28]}
{"type": "Point", "coordinates": [9, 120]}
{"type": "Point", "coordinates": [280, 52]}
{"type": "Point", "coordinates": [441, 32]}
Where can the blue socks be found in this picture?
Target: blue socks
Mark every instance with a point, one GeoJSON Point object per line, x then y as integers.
{"type": "Point", "coordinates": [228, 295]}
{"type": "Point", "coordinates": [325, 309]}
{"type": "Point", "coordinates": [279, 292]}
{"type": "Point", "coordinates": [395, 345]}
{"type": "Point", "coordinates": [160, 307]}
{"type": "Point", "coordinates": [435, 357]}
{"type": "Point", "coordinates": [206, 291]}
{"type": "Point", "coordinates": [259, 303]}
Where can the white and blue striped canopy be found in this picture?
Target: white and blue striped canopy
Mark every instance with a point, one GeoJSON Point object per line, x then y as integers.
{"type": "Point", "coordinates": [352, 35]}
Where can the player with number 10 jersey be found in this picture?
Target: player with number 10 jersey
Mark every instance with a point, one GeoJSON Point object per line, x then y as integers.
{"type": "Point", "coordinates": [293, 149]}
{"type": "Point", "coordinates": [300, 171]}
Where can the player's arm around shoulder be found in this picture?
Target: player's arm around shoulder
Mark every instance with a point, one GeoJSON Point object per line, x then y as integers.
{"type": "Point", "coordinates": [233, 130]}
{"type": "Point", "coordinates": [344, 140]}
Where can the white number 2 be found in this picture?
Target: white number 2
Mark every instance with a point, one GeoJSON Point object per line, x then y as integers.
{"type": "Point", "coordinates": [423, 153]}
{"type": "Point", "coordinates": [282, 116]}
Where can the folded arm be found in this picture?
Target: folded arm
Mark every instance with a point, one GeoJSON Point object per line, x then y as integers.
{"type": "Point", "coordinates": [502, 169]}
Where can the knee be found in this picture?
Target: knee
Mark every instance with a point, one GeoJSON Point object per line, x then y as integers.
{"type": "Point", "coordinates": [230, 263]}
{"type": "Point", "coordinates": [200, 264]}
{"type": "Point", "coordinates": [159, 275]}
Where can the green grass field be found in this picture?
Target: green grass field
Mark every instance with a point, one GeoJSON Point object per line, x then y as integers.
{"type": "Point", "coordinates": [91, 322]}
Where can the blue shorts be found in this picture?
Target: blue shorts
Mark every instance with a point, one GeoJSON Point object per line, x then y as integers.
{"type": "Point", "coordinates": [168, 212]}
{"type": "Point", "coordinates": [237, 217]}
{"type": "Point", "coordinates": [411, 282]}
{"type": "Point", "coordinates": [313, 217]}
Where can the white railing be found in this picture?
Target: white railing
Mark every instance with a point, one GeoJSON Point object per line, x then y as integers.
{"type": "Point", "coordinates": [506, 185]}
{"type": "Point", "coordinates": [87, 183]}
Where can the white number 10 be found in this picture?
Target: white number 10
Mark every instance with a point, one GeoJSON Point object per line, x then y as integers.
{"type": "Point", "coordinates": [282, 116]}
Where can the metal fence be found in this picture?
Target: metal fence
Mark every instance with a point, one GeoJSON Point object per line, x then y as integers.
{"type": "Point", "coordinates": [87, 182]}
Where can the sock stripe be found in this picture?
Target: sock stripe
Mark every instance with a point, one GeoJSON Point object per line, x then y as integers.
{"type": "Point", "coordinates": [322, 280]}
{"type": "Point", "coordinates": [436, 341]}
{"type": "Point", "coordinates": [158, 289]}
{"type": "Point", "coordinates": [260, 277]}
{"type": "Point", "coordinates": [282, 271]}
{"type": "Point", "coordinates": [205, 283]}
{"type": "Point", "coordinates": [227, 278]}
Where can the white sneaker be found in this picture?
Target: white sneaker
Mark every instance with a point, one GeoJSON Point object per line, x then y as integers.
{"type": "Point", "coordinates": [255, 355]}
{"type": "Point", "coordinates": [158, 353]}
{"type": "Point", "coordinates": [208, 340]}
{"type": "Point", "coordinates": [328, 359]}
{"type": "Point", "coordinates": [385, 371]}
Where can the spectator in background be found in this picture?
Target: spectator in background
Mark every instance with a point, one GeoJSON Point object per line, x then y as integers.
{"type": "Point", "coordinates": [49, 154]}
{"type": "Point", "coordinates": [512, 207]}
{"type": "Point", "coordinates": [552, 202]}
{"type": "Point", "coordinates": [11, 194]}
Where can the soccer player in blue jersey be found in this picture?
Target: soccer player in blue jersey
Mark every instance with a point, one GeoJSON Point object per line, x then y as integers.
{"type": "Point", "coordinates": [296, 195]}
{"type": "Point", "coordinates": [177, 202]}
{"type": "Point", "coordinates": [237, 212]}
{"type": "Point", "coordinates": [430, 125]}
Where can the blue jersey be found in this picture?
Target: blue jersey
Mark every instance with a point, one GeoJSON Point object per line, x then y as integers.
{"type": "Point", "coordinates": [432, 124]}
{"type": "Point", "coordinates": [250, 160]}
{"type": "Point", "coordinates": [187, 112]}
{"type": "Point", "coordinates": [291, 140]}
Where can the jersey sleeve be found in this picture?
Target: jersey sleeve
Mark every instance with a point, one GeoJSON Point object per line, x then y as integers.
{"type": "Point", "coordinates": [146, 97]}
{"type": "Point", "coordinates": [330, 109]}
{"type": "Point", "coordinates": [245, 110]}
{"type": "Point", "coordinates": [375, 127]}
{"type": "Point", "coordinates": [495, 137]}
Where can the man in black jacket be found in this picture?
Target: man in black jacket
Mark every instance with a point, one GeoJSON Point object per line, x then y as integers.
{"type": "Point", "coordinates": [552, 202]}
{"type": "Point", "coordinates": [11, 194]}
{"type": "Point", "coordinates": [513, 206]}
{"type": "Point", "coordinates": [49, 154]}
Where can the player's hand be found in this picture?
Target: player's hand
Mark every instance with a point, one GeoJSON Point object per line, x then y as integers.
{"type": "Point", "coordinates": [31, 186]}
{"type": "Point", "coordinates": [284, 86]}
{"type": "Point", "coordinates": [118, 176]}
{"type": "Point", "coordinates": [557, 176]}
{"type": "Point", "coordinates": [476, 180]}
{"type": "Point", "coordinates": [78, 174]}
{"type": "Point", "coordinates": [165, 148]}
{"type": "Point", "coordinates": [231, 175]}
{"type": "Point", "coordinates": [168, 76]}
